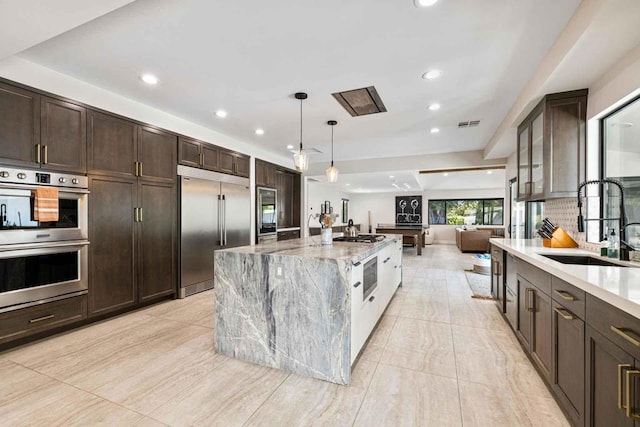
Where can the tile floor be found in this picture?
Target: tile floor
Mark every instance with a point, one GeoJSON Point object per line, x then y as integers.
{"type": "Point", "coordinates": [438, 357]}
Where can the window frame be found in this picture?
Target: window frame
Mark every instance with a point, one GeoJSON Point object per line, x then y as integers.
{"type": "Point", "coordinates": [483, 200]}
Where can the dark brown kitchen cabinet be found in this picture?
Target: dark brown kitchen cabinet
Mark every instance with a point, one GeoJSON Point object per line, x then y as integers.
{"type": "Point", "coordinates": [19, 126]}
{"type": "Point", "coordinates": [551, 145]}
{"type": "Point", "coordinates": [535, 324]}
{"type": "Point", "coordinates": [233, 163]}
{"type": "Point", "coordinates": [63, 136]}
{"type": "Point", "coordinates": [497, 277]}
{"type": "Point", "coordinates": [112, 253]}
{"type": "Point", "coordinates": [265, 174]}
{"type": "Point", "coordinates": [112, 145]}
{"type": "Point", "coordinates": [156, 238]}
{"type": "Point", "coordinates": [568, 361]}
{"type": "Point", "coordinates": [242, 163]}
{"type": "Point", "coordinates": [198, 154]}
{"type": "Point", "coordinates": [132, 229]}
{"type": "Point", "coordinates": [156, 154]}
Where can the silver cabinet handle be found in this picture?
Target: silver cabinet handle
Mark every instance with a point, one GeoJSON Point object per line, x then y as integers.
{"type": "Point", "coordinates": [220, 241]}
{"type": "Point", "coordinates": [372, 298]}
{"type": "Point", "coordinates": [38, 159]}
{"type": "Point", "coordinates": [224, 218]}
{"type": "Point", "coordinates": [357, 284]}
{"type": "Point", "coordinates": [40, 319]}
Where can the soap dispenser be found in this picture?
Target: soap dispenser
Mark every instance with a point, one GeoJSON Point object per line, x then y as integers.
{"type": "Point", "coordinates": [614, 245]}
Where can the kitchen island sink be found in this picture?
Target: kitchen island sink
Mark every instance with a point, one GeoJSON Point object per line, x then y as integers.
{"type": "Point", "coordinates": [583, 260]}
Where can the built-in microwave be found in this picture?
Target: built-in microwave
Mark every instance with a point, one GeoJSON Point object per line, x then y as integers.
{"type": "Point", "coordinates": [369, 277]}
{"type": "Point", "coordinates": [267, 214]}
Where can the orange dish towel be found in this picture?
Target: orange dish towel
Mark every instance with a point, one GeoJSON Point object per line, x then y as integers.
{"type": "Point", "coordinates": [45, 204]}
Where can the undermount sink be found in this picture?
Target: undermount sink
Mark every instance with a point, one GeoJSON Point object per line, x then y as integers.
{"type": "Point", "coordinates": [582, 260]}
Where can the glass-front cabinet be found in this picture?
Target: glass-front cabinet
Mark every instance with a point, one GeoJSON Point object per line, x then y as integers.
{"type": "Point", "coordinates": [551, 146]}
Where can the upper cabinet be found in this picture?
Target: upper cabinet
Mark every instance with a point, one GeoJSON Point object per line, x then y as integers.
{"type": "Point", "coordinates": [156, 154]}
{"type": "Point", "coordinates": [287, 184]}
{"type": "Point", "coordinates": [37, 131]}
{"type": "Point", "coordinates": [199, 154]}
{"type": "Point", "coordinates": [551, 147]}
{"type": "Point", "coordinates": [265, 174]}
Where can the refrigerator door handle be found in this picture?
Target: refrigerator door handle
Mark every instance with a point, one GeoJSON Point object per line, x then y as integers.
{"type": "Point", "coordinates": [220, 242]}
{"type": "Point", "coordinates": [224, 217]}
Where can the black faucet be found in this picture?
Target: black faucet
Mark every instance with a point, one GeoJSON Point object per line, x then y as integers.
{"type": "Point", "coordinates": [625, 247]}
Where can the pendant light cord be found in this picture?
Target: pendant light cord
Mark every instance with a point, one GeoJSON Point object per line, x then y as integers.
{"type": "Point", "coordinates": [331, 145]}
{"type": "Point", "coordinates": [301, 125]}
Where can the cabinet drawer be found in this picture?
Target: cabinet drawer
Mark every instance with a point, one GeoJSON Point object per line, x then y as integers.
{"type": "Point", "coordinates": [288, 235]}
{"type": "Point", "coordinates": [604, 317]}
{"type": "Point", "coordinates": [28, 321]}
{"type": "Point", "coordinates": [496, 252]}
{"type": "Point", "coordinates": [569, 296]}
{"type": "Point", "coordinates": [539, 278]}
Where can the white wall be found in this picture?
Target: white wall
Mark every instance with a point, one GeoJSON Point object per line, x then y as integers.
{"type": "Point", "coordinates": [382, 207]}
{"type": "Point", "coordinates": [317, 193]}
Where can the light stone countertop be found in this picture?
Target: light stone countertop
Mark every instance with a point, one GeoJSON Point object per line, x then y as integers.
{"type": "Point", "coordinates": [310, 247]}
{"type": "Point", "coordinates": [618, 286]}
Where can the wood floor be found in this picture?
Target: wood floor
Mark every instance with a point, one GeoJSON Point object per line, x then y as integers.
{"type": "Point", "coordinates": [437, 358]}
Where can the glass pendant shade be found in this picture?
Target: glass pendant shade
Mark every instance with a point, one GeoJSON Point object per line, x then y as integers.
{"type": "Point", "coordinates": [332, 174]}
{"type": "Point", "coordinates": [301, 160]}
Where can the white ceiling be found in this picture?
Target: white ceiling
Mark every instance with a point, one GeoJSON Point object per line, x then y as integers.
{"type": "Point", "coordinates": [412, 181]}
{"type": "Point", "coordinates": [249, 57]}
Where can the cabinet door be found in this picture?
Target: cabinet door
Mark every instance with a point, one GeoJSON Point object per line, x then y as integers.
{"type": "Point", "coordinates": [210, 157]}
{"type": "Point", "coordinates": [605, 361]}
{"type": "Point", "coordinates": [189, 152]}
{"type": "Point", "coordinates": [19, 126]}
{"type": "Point", "coordinates": [565, 159]}
{"type": "Point", "coordinates": [541, 343]}
{"type": "Point", "coordinates": [281, 196]}
{"type": "Point", "coordinates": [260, 173]}
{"type": "Point", "coordinates": [63, 136]}
{"type": "Point", "coordinates": [525, 312]}
{"type": "Point", "coordinates": [242, 167]}
{"type": "Point", "coordinates": [269, 175]}
{"type": "Point", "coordinates": [112, 145]}
{"type": "Point", "coordinates": [568, 361]}
{"type": "Point", "coordinates": [156, 240]}
{"type": "Point", "coordinates": [537, 164]}
{"type": "Point", "coordinates": [112, 284]}
{"type": "Point", "coordinates": [226, 161]}
{"type": "Point", "coordinates": [157, 154]}
{"type": "Point", "coordinates": [288, 199]}
{"type": "Point", "coordinates": [524, 164]}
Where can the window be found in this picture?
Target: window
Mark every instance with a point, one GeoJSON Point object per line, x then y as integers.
{"type": "Point", "coordinates": [466, 212]}
{"type": "Point", "coordinates": [621, 161]}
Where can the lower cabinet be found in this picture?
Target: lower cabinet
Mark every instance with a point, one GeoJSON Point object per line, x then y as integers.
{"type": "Point", "coordinates": [132, 229]}
{"type": "Point", "coordinates": [497, 276]}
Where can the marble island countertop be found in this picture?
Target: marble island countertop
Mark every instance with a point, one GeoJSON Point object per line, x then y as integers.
{"type": "Point", "coordinates": [618, 286]}
{"type": "Point", "coordinates": [310, 247]}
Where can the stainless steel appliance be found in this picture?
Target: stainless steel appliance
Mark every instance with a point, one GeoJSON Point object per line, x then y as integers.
{"type": "Point", "coordinates": [41, 261]}
{"type": "Point", "coordinates": [369, 277]}
{"type": "Point", "coordinates": [215, 213]}
{"type": "Point", "coordinates": [267, 212]}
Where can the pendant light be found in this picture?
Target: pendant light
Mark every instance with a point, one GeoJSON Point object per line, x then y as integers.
{"type": "Point", "coordinates": [301, 158]}
{"type": "Point", "coordinates": [332, 171]}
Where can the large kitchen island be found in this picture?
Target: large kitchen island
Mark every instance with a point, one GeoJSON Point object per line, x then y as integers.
{"type": "Point", "coordinates": [302, 307]}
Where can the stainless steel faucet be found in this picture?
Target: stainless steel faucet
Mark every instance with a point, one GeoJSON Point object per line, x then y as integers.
{"type": "Point", "coordinates": [625, 247]}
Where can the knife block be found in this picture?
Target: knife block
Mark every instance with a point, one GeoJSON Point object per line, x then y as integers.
{"type": "Point", "coordinates": [559, 239]}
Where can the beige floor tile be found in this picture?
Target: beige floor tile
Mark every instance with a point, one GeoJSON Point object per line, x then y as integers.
{"type": "Point", "coordinates": [301, 401]}
{"type": "Point", "coordinates": [466, 311]}
{"type": "Point", "coordinates": [378, 339]}
{"type": "Point", "coordinates": [488, 406]}
{"type": "Point", "coordinates": [226, 396]}
{"type": "Point", "coordinates": [401, 397]}
{"type": "Point", "coordinates": [433, 308]}
{"type": "Point", "coordinates": [421, 346]}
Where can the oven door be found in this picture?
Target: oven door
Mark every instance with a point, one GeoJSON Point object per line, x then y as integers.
{"type": "Point", "coordinates": [17, 226]}
{"type": "Point", "coordinates": [33, 273]}
{"type": "Point", "coordinates": [369, 277]}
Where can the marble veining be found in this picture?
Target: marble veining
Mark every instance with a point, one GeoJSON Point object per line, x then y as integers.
{"type": "Point", "coordinates": [299, 320]}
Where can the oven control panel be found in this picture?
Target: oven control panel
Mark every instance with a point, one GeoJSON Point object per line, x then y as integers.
{"type": "Point", "coordinates": [19, 176]}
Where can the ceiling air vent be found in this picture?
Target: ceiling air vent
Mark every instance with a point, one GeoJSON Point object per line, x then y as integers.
{"type": "Point", "coordinates": [469, 124]}
{"type": "Point", "coordinates": [360, 102]}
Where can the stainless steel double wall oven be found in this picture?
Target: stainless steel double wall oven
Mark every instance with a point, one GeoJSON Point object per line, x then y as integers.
{"type": "Point", "coordinates": [41, 261]}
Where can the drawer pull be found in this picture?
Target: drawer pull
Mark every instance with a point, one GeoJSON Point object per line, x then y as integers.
{"type": "Point", "coordinates": [527, 302]}
{"type": "Point", "coordinates": [621, 369]}
{"type": "Point", "coordinates": [357, 264]}
{"type": "Point", "coordinates": [372, 298]}
{"type": "Point", "coordinates": [566, 315]}
{"type": "Point", "coordinates": [40, 319]}
{"type": "Point", "coordinates": [565, 295]}
{"type": "Point", "coordinates": [357, 284]}
{"type": "Point", "coordinates": [627, 337]}
{"type": "Point", "coordinates": [630, 397]}
{"type": "Point", "coordinates": [385, 261]}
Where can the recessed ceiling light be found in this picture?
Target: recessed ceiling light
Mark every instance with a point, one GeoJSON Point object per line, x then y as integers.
{"type": "Point", "coordinates": [391, 176]}
{"type": "Point", "coordinates": [434, 107]}
{"type": "Point", "coordinates": [435, 130]}
{"type": "Point", "coordinates": [221, 113]}
{"type": "Point", "coordinates": [289, 147]}
{"type": "Point", "coordinates": [259, 131]}
{"type": "Point", "coordinates": [445, 174]}
{"type": "Point", "coordinates": [432, 74]}
{"type": "Point", "coordinates": [424, 3]}
{"type": "Point", "coordinates": [489, 172]}
{"type": "Point", "coordinates": [347, 185]}
{"type": "Point", "coordinates": [149, 79]}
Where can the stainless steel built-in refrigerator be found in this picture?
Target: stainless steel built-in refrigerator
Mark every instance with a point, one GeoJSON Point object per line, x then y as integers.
{"type": "Point", "coordinates": [215, 213]}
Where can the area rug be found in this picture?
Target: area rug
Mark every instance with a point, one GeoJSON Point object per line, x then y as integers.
{"type": "Point", "coordinates": [480, 285]}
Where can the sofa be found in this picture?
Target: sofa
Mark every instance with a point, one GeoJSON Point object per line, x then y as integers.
{"type": "Point", "coordinates": [473, 240]}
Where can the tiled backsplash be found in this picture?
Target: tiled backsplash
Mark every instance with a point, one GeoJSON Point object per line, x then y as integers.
{"type": "Point", "coordinates": [564, 213]}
